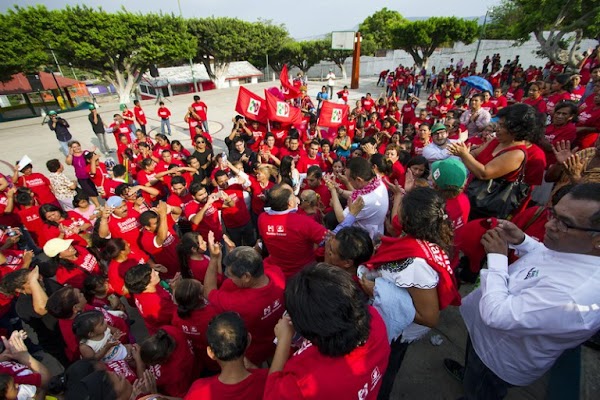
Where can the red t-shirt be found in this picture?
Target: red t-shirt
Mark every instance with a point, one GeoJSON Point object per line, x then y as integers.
{"type": "Point", "coordinates": [556, 98]}
{"type": "Point", "coordinates": [295, 154]}
{"type": "Point", "coordinates": [122, 129]}
{"type": "Point", "coordinates": [212, 388]}
{"type": "Point", "coordinates": [117, 270]}
{"type": "Point", "coordinates": [200, 109]}
{"type": "Point", "coordinates": [163, 112]}
{"type": "Point", "coordinates": [22, 375]}
{"type": "Point", "coordinates": [165, 254]}
{"type": "Point", "coordinates": [498, 102]}
{"type": "Point", "coordinates": [143, 177]}
{"type": "Point", "coordinates": [237, 215]}
{"type": "Point", "coordinates": [308, 374]}
{"type": "Point", "coordinates": [398, 173]}
{"type": "Point", "coordinates": [305, 162]}
{"type": "Point", "coordinates": [140, 116]}
{"type": "Point", "coordinates": [368, 104]}
{"type": "Point", "coordinates": [458, 210]}
{"type": "Point", "coordinates": [122, 369]}
{"type": "Point", "coordinates": [257, 202]}
{"type": "Point", "coordinates": [86, 264]}
{"type": "Point", "coordinates": [280, 135]}
{"type": "Point", "coordinates": [555, 134]}
{"type": "Point", "coordinates": [30, 217]}
{"type": "Point", "coordinates": [194, 327]}
{"type": "Point", "coordinates": [260, 308]}
{"type": "Point", "coordinates": [14, 261]}
{"type": "Point", "coordinates": [177, 201]}
{"type": "Point", "coordinates": [39, 185]}
{"type": "Point", "coordinates": [535, 165]}
{"type": "Point", "coordinates": [127, 228]}
{"type": "Point", "coordinates": [515, 95]}
{"type": "Point", "coordinates": [290, 239]}
{"type": "Point", "coordinates": [210, 221]}
{"type": "Point", "coordinates": [418, 145]}
{"type": "Point", "coordinates": [69, 224]}
{"type": "Point", "coordinates": [175, 375]}
{"type": "Point", "coordinates": [539, 104]}
{"type": "Point", "coordinates": [155, 308]}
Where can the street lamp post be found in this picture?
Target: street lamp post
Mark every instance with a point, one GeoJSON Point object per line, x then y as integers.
{"type": "Point", "coordinates": [73, 71]}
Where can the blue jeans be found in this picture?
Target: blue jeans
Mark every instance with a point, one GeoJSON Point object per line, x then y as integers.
{"type": "Point", "coordinates": [64, 147]}
{"type": "Point", "coordinates": [167, 123]}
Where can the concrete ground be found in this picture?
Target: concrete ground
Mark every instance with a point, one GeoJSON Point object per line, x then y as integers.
{"type": "Point", "coordinates": [422, 375]}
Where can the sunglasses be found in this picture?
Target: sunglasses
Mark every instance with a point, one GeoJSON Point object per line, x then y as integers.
{"type": "Point", "coordinates": [200, 142]}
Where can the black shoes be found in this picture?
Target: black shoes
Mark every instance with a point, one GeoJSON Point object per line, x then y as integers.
{"type": "Point", "coordinates": [454, 368]}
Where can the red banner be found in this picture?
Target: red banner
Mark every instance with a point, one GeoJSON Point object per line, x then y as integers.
{"type": "Point", "coordinates": [251, 106]}
{"type": "Point", "coordinates": [288, 90]}
{"type": "Point", "coordinates": [281, 111]}
{"type": "Point", "coordinates": [332, 114]}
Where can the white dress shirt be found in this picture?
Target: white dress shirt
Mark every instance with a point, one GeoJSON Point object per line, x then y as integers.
{"type": "Point", "coordinates": [524, 316]}
{"type": "Point", "coordinates": [372, 216]}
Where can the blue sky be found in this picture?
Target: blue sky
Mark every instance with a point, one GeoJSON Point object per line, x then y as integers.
{"type": "Point", "coordinates": [302, 18]}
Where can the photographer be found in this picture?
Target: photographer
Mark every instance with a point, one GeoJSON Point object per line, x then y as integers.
{"type": "Point", "coordinates": [60, 127]}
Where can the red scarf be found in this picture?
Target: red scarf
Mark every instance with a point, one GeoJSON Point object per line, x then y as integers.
{"type": "Point", "coordinates": [394, 249]}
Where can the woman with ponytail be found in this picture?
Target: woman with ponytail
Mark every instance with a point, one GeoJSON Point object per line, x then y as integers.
{"type": "Point", "coordinates": [192, 317]}
{"type": "Point", "coordinates": [171, 361]}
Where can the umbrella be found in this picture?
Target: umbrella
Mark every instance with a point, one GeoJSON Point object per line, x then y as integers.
{"type": "Point", "coordinates": [479, 83]}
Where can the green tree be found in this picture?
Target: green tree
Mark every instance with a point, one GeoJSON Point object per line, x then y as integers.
{"type": "Point", "coordinates": [223, 40]}
{"type": "Point", "coordinates": [117, 46]}
{"type": "Point", "coordinates": [421, 38]}
{"type": "Point", "coordinates": [304, 54]}
{"type": "Point", "coordinates": [22, 51]}
{"type": "Point", "coordinates": [378, 28]}
{"type": "Point", "coordinates": [551, 22]}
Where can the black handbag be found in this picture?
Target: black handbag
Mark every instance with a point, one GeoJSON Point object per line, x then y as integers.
{"type": "Point", "coordinates": [497, 197]}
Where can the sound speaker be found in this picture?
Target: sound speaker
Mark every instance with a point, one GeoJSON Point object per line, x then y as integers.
{"type": "Point", "coordinates": [154, 71]}
{"type": "Point", "coordinates": [35, 82]}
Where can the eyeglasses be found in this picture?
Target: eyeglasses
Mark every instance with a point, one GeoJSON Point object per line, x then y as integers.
{"type": "Point", "coordinates": [200, 142]}
{"type": "Point", "coordinates": [564, 226]}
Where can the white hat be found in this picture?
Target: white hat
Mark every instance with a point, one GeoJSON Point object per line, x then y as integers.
{"type": "Point", "coordinates": [55, 246]}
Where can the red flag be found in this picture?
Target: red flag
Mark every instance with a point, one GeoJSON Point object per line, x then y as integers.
{"type": "Point", "coordinates": [281, 111]}
{"type": "Point", "coordinates": [288, 90]}
{"type": "Point", "coordinates": [332, 114]}
{"type": "Point", "coordinates": [251, 105]}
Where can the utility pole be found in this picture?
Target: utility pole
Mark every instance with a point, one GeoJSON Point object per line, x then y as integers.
{"type": "Point", "coordinates": [55, 60]}
{"type": "Point", "coordinates": [191, 63]}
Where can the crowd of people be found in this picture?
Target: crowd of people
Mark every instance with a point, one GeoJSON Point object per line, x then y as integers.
{"type": "Point", "coordinates": [302, 261]}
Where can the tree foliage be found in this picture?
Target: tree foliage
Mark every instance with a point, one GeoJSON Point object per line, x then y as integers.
{"type": "Point", "coordinates": [118, 46]}
{"type": "Point", "coordinates": [551, 22]}
{"type": "Point", "coordinates": [22, 51]}
{"type": "Point", "coordinates": [302, 55]}
{"type": "Point", "coordinates": [421, 38]}
{"type": "Point", "coordinates": [230, 39]}
{"type": "Point", "coordinates": [378, 28]}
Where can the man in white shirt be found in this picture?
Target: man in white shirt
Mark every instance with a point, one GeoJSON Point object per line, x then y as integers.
{"type": "Point", "coordinates": [522, 319]}
{"type": "Point", "coordinates": [374, 193]}
{"type": "Point", "coordinates": [437, 149]}
{"type": "Point", "coordinates": [330, 82]}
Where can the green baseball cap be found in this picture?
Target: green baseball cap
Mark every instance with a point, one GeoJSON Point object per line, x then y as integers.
{"type": "Point", "coordinates": [52, 112]}
{"type": "Point", "coordinates": [437, 127]}
{"type": "Point", "coordinates": [447, 173]}
{"type": "Point", "coordinates": [92, 107]}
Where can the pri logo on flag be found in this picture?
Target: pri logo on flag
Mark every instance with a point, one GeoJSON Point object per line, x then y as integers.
{"type": "Point", "coordinates": [283, 109]}
{"type": "Point", "coordinates": [336, 115]}
{"type": "Point", "coordinates": [253, 107]}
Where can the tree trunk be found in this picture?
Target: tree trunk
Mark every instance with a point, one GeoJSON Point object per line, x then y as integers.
{"type": "Point", "coordinates": [220, 75]}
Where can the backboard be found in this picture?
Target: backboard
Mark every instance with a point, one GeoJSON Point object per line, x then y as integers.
{"type": "Point", "coordinates": [342, 40]}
